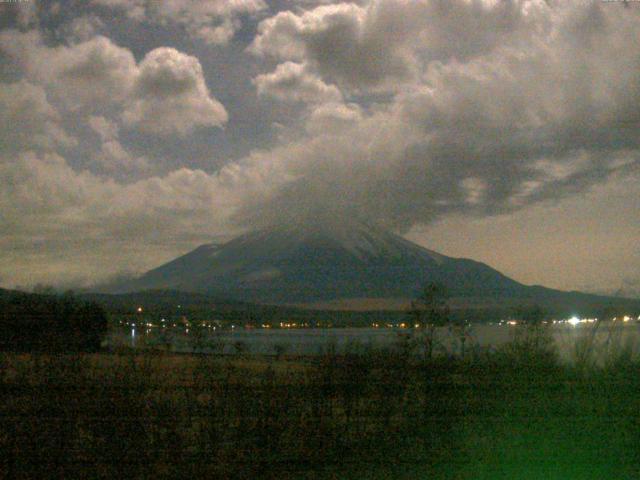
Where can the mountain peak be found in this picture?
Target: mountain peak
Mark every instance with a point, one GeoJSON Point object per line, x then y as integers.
{"type": "Point", "coordinates": [321, 258]}
{"type": "Point", "coordinates": [360, 240]}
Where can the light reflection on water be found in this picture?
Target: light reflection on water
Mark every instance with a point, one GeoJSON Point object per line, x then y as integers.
{"type": "Point", "coordinates": [341, 340]}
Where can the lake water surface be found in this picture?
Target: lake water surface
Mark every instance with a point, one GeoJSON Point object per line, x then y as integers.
{"type": "Point", "coordinates": [607, 337]}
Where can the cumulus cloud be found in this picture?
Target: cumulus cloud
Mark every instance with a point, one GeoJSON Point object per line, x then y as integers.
{"type": "Point", "coordinates": [330, 38]}
{"type": "Point", "coordinates": [112, 156]}
{"type": "Point", "coordinates": [83, 28]}
{"type": "Point", "coordinates": [385, 43]}
{"type": "Point", "coordinates": [333, 117]}
{"type": "Point", "coordinates": [134, 9]}
{"type": "Point", "coordinates": [92, 71]}
{"type": "Point", "coordinates": [81, 212]}
{"type": "Point", "coordinates": [165, 93]}
{"type": "Point", "coordinates": [488, 131]}
{"type": "Point", "coordinates": [76, 211]}
{"type": "Point", "coordinates": [105, 128]}
{"type": "Point", "coordinates": [89, 74]}
{"type": "Point", "coordinates": [170, 95]}
{"type": "Point", "coordinates": [291, 82]}
{"type": "Point", "coordinates": [28, 120]}
{"type": "Point", "coordinates": [212, 21]}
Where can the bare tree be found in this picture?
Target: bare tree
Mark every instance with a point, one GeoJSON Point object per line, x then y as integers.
{"type": "Point", "coordinates": [429, 311]}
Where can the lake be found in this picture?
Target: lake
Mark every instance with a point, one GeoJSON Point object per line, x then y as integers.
{"type": "Point", "coordinates": [301, 341]}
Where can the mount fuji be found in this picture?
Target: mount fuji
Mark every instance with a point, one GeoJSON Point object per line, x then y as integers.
{"type": "Point", "coordinates": [324, 261]}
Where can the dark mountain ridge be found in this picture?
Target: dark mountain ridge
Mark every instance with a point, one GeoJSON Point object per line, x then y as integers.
{"type": "Point", "coordinates": [326, 261]}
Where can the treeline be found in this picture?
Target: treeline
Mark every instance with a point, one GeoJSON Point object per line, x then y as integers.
{"type": "Point", "coordinates": [50, 323]}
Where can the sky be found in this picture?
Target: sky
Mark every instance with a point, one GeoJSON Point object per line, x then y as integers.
{"type": "Point", "coordinates": [507, 131]}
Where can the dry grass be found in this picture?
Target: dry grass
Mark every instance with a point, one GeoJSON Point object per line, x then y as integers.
{"type": "Point", "coordinates": [366, 415]}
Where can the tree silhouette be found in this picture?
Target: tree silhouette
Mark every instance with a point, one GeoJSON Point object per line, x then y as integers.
{"type": "Point", "coordinates": [38, 322]}
{"type": "Point", "coordinates": [429, 311]}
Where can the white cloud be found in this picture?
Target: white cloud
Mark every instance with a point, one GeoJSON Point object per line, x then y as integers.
{"type": "Point", "coordinates": [82, 29]}
{"type": "Point", "coordinates": [95, 71]}
{"type": "Point", "coordinates": [42, 197]}
{"type": "Point", "coordinates": [134, 9]}
{"type": "Point", "coordinates": [28, 120]}
{"type": "Point", "coordinates": [165, 93]}
{"type": "Point", "coordinates": [384, 43]}
{"type": "Point", "coordinates": [212, 21]}
{"type": "Point", "coordinates": [170, 95]}
{"type": "Point", "coordinates": [105, 128]}
{"type": "Point", "coordinates": [291, 82]}
{"type": "Point", "coordinates": [333, 118]}
{"type": "Point", "coordinates": [470, 133]}
{"type": "Point", "coordinates": [89, 74]}
{"type": "Point", "coordinates": [114, 159]}
{"type": "Point", "coordinates": [112, 156]}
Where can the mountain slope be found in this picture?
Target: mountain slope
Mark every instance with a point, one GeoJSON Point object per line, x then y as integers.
{"type": "Point", "coordinates": [322, 261]}
{"type": "Point", "coordinates": [345, 263]}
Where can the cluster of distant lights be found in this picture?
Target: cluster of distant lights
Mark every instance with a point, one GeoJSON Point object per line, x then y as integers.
{"type": "Point", "coordinates": [164, 324]}
{"type": "Point", "coordinates": [573, 321]}
{"type": "Point", "coordinates": [282, 325]}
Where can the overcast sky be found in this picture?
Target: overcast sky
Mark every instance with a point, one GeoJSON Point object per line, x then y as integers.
{"type": "Point", "coordinates": [131, 131]}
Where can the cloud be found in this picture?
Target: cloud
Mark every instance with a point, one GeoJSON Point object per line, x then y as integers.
{"type": "Point", "coordinates": [48, 208]}
{"type": "Point", "coordinates": [134, 9]}
{"type": "Point", "coordinates": [482, 133]}
{"type": "Point", "coordinates": [333, 117]}
{"type": "Point", "coordinates": [24, 14]}
{"type": "Point", "coordinates": [290, 82]}
{"type": "Point", "coordinates": [89, 74]}
{"type": "Point", "coordinates": [398, 112]}
{"type": "Point", "coordinates": [114, 159]}
{"type": "Point", "coordinates": [586, 242]}
{"type": "Point", "coordinates": [165, 93]}
{"type": "Point", "coordinates": [105, 128]}
{"type": "Point", "coordinates": [212, 21]}
{"type": "Point", "coordinates": [28, 120]}
{"type": "Point", "coordinates": [385, 43]}
{"type": "Point", "coordinates": [331, 39]}
{"type": "Point", "coordinates": [112, 156]}
{"type": "Point", "coordinates": [82, 29]}
{"type": "Point", "coordinates": [170, 95]}
{"type": "Point", "coordinates": [93, 71]}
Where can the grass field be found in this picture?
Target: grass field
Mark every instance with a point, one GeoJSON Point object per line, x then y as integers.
{"type": "Point", "coordinates": [514, 414]}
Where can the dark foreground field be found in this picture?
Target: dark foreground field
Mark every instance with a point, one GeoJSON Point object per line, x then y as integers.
{"type": "Point", "coordinates": [367, 415]}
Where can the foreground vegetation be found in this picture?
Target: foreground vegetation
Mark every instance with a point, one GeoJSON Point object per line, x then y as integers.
{"type": "Point", "coordinates": [46, 322]}
{"type": "Point", "coordinates": [512, 413]}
